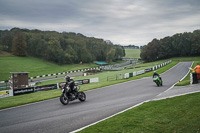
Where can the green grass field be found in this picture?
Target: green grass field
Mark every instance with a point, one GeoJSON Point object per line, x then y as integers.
{"type": "Point", "coordinates": [174, 115]}
{"type": "Point", "coordinates": [132, 53]}
{"type": "Point", "coordinates": [35, 66]}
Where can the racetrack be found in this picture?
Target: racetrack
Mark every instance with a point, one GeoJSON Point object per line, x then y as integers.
{"type": "Point", "coordinates": [52, 117]}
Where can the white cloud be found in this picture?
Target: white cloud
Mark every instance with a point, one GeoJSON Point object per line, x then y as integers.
{"type": "Point", "coordinates": [122, 22]}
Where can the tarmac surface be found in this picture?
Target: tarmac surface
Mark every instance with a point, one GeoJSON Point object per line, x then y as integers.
{"type": "Point", "coordinates": [178, 91]}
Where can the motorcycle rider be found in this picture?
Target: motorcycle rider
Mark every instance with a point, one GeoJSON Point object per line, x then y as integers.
{"type": "Point", "coordinates": [156, 74]}
{"type": "Point", "coordinates": [71, 84]}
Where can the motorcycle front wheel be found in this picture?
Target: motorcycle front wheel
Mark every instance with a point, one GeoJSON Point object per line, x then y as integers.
{"type": "Point", "coordinates": [81, 96]}
{"type": "Point", "coordinates": [64, 100]}
{"type": "Point", "coordinates": [157, 83]}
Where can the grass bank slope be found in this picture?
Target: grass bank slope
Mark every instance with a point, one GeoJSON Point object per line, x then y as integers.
{"type": "Point", "coordinates": [175, 115]}
{"type": "Point", "coordinates": [132, 53]}
{"type": "Point", "coordinates": [35, 66]}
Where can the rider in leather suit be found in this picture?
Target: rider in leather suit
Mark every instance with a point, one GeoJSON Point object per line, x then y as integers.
{"type": "Point", "coordinates": [154, 74]}
{"type": "Point", "coordinates": [71, 84]}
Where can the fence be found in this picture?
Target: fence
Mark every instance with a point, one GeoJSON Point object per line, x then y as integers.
{"type": "Point", "coordinates": [7, 93]}
{"type": "Point", "coordinates": [55, 74]}
{"type": "Point", "coordinates": [128, 75]}
{"type": "Point", "coordinates": [135, 73]}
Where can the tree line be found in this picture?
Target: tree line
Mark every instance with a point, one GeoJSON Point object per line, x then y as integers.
{"type": "Point", "coordinates": [132, 47]}
{"type": "Point", "coordinates": [178, 45]}
{"type": "Point", "coordinates": [61, 48]}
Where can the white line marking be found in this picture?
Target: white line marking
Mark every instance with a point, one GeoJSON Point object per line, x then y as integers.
{"type": "Point", "coordinates": [109, 117]}
{"type": "Point", "coordinates": [162, 98]}
{"type": "Point", "coordinates": [176, 82]}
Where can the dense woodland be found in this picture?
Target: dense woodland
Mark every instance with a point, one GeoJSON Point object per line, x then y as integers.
{"type": "Point", "coordinates": [61, 48]}
{"type": "Point", "coordinates": [178, 45]}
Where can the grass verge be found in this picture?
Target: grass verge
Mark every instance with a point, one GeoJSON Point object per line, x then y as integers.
{"type": "Point", "coordinates": [132, 53]}
{"type": "Point", "coordinates": [174, 115]}
{"type": "Point", "coordinates": [28, 98]}
{"type": "Point", "coordinates": [186, 80]}
{"type": "Point", "coordinates": [35, 66]}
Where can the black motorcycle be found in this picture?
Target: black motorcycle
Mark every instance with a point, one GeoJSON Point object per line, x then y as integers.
{"type": "Point", "coordinates": [67, 95]}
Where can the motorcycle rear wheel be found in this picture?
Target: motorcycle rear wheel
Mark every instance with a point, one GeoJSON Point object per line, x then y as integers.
{"type": "Point", "coordinates": [81, 96]}
{"type": "Point", "coordinates": [64, 100]}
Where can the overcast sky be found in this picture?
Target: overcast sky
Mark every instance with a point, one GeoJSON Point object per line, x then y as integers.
{"type": "Point", "coordinates": [120, 21]}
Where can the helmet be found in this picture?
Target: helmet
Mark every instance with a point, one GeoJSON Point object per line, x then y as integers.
{"type": "Point", "coordinates": [67, 77]}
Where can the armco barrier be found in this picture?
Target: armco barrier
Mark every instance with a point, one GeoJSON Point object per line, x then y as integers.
{"type": "Point", "coordinates": [191, 78]}
{"type": "Point", "coordinates": [34, 89]}
{"type": "Point", "coordinates": [4, 93]}
{"type": "Point", "coordinates": [55, 74]}
{"type": "Point", "coordinates": [80, 82]}
{"type": "Point", "coordinates": [93, 80]}
{"type": "Point", "coordinates": [84, 81]}
{"type": "Point", "coordinates": [22, 91]}
{"type": "Point", "coordinates": [128, 75]}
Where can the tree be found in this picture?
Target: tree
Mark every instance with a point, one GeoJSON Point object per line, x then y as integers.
{"type": "Point", "coordinates": [119, 52]}
{"type": "Point", "coordinates": [57, 47]}
{"type": "Point", "coordinates": [70, 55]}
{"type": "Point", "coordinates": [110, 55]}
{"type": "Point", "coordinates": [19, 44]}
{"type": "Point", "coordinates": [6, 40]}
{"type": "Point", "coordinates": [54, 52]}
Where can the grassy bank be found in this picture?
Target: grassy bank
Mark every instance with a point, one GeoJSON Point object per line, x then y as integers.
{"type": "Point", "coordinates": [113, 77]}
{"type": "Point", "coordinates": [174, 115]}
{"type": "Point", "coordinates": [132, 53]}
{"type": "Point", "coordinates": [28, 98]}
{"type": "Point", "coordinates": [35, 66]}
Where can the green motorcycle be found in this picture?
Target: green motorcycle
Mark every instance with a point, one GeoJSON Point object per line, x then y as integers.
{"type": "Point", "coordinates": [157, 80]}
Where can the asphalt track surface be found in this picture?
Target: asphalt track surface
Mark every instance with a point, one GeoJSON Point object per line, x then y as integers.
{"type": "Point", "coordinates": [52, 117]}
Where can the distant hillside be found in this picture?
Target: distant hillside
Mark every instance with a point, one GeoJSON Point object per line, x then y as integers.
{"type": "Point", "coordinates": [132, 53]}
{"type": "Point", "coordinates": [60, 48]}
{"type": "Point", "coordinates": [179, 45]}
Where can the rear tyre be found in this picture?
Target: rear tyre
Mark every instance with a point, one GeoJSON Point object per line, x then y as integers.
{"type": "Point", "coordinates": [64, 100]}
{"type": "Point", "coordinates": [81, 96]}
